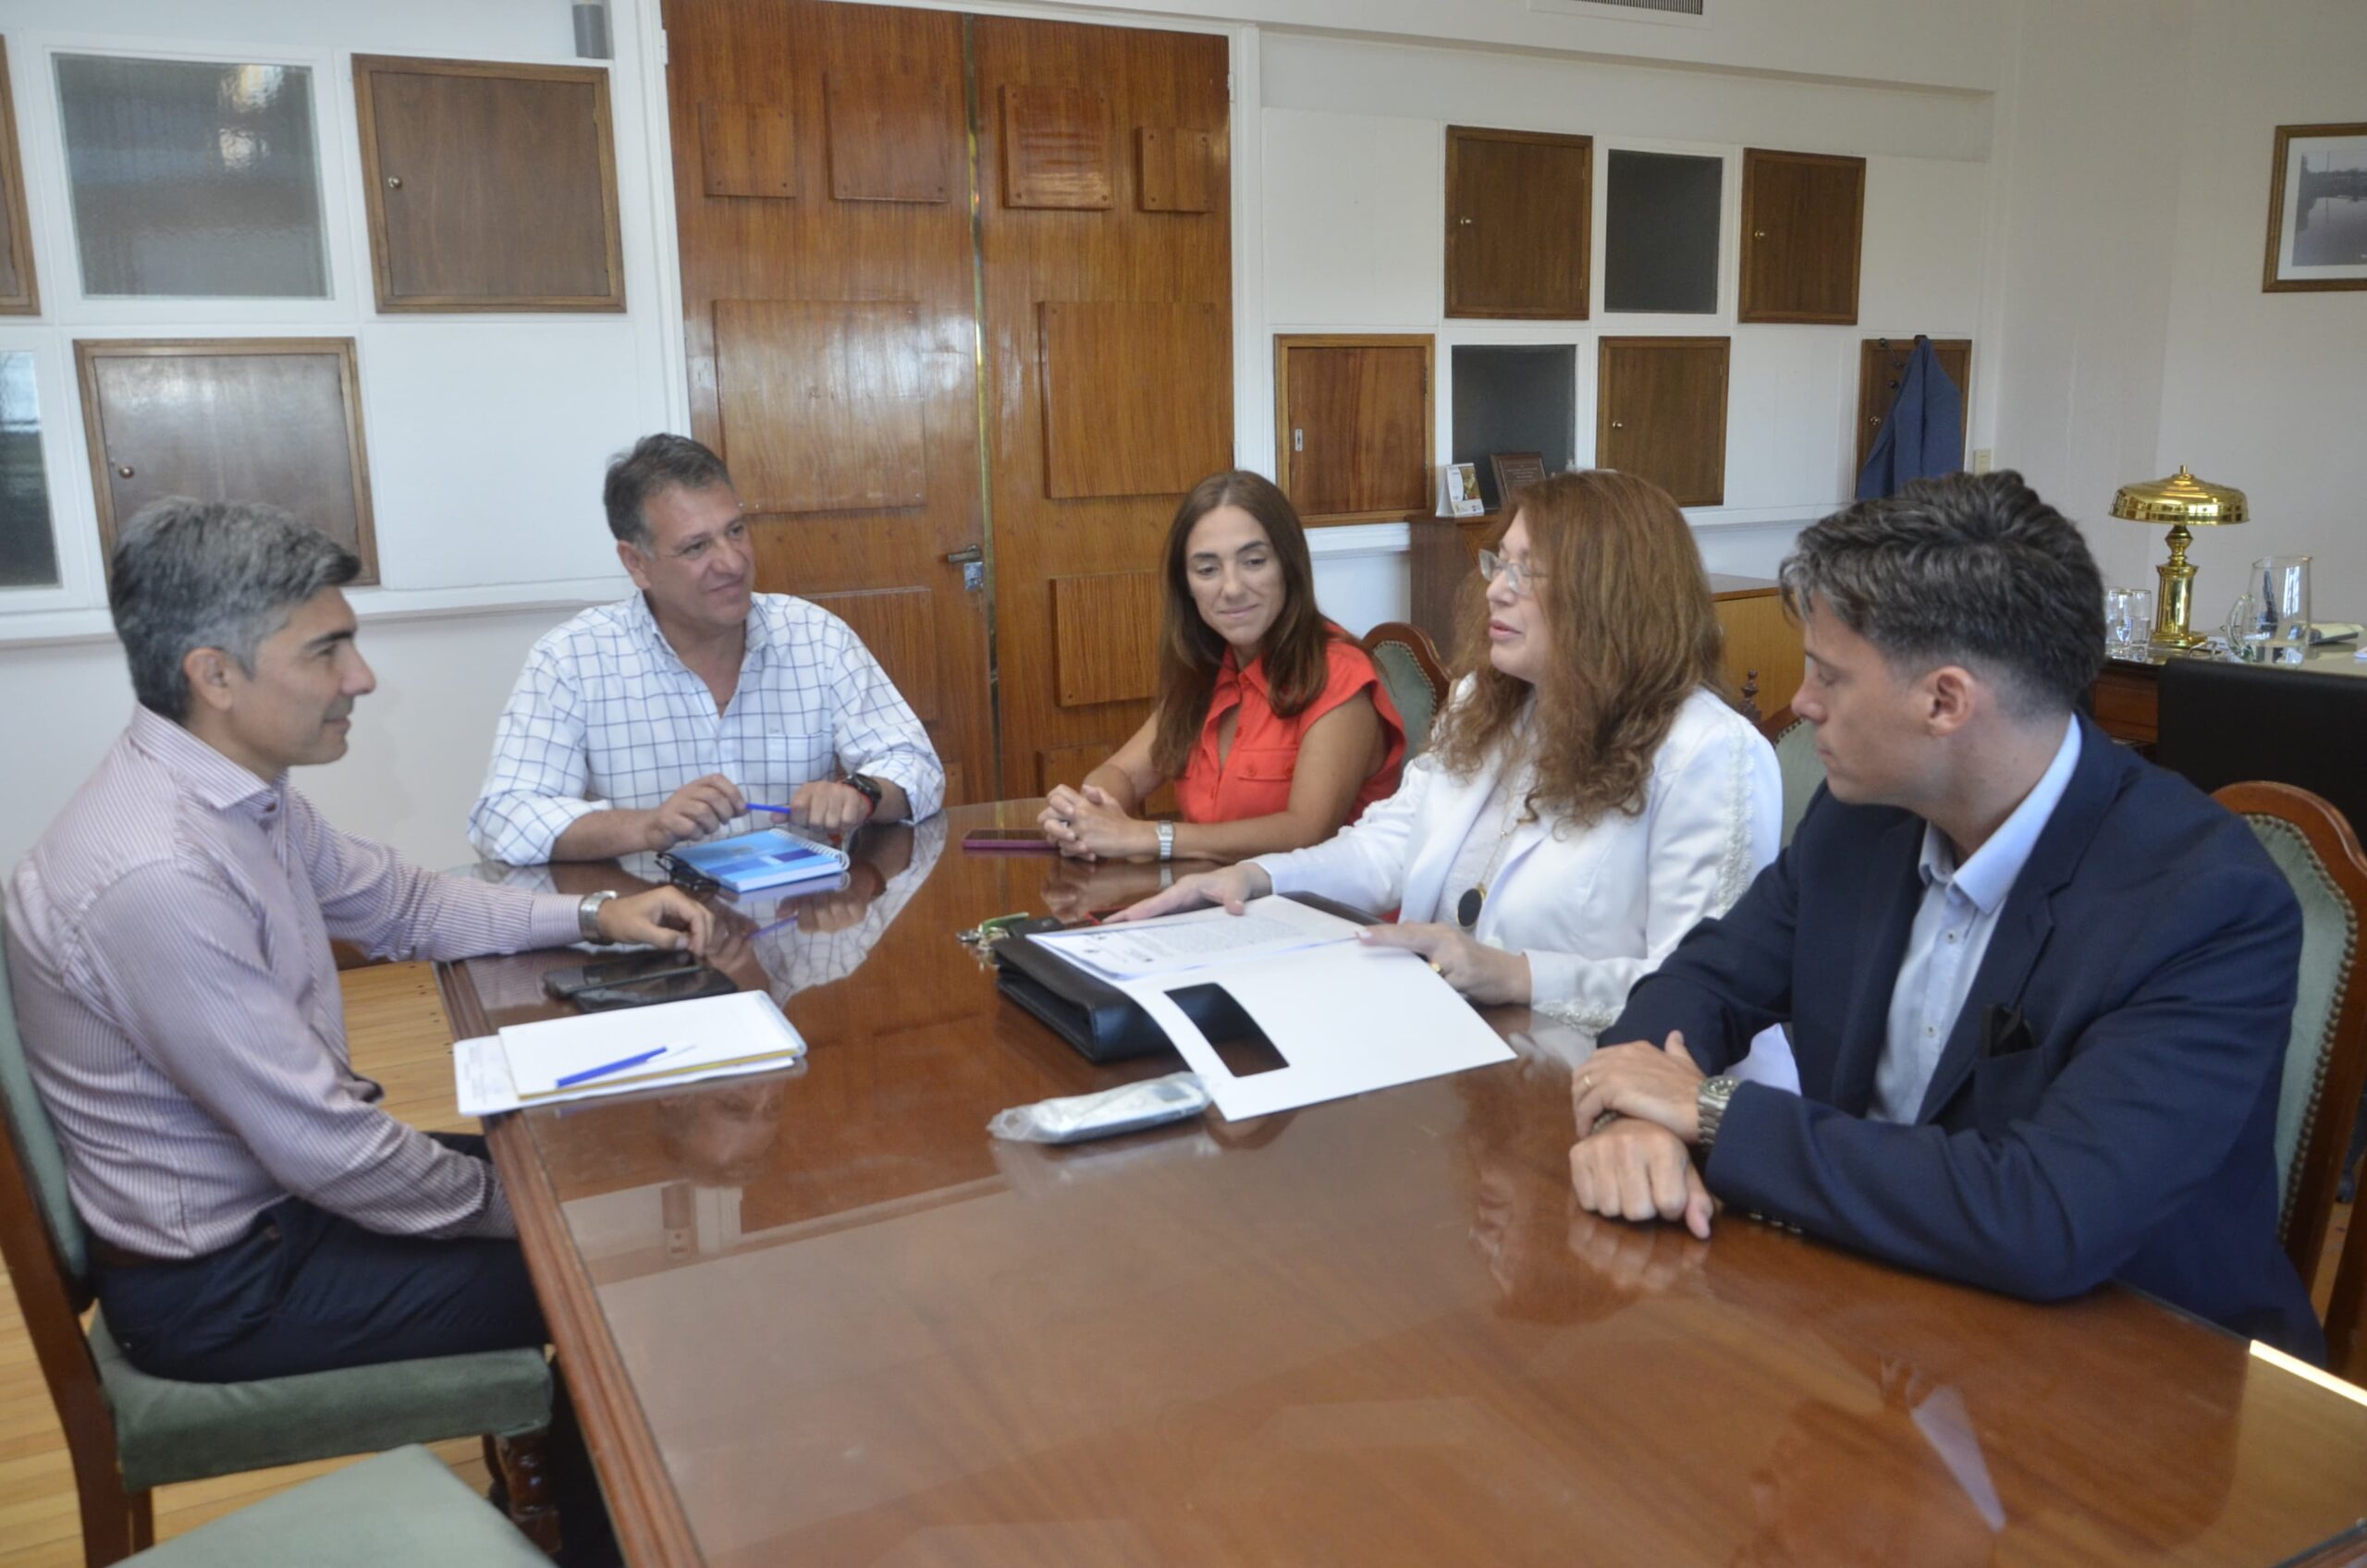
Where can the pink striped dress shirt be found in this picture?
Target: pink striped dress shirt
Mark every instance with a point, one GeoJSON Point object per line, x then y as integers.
{"type": "Point", "coordinates": [169, 944]}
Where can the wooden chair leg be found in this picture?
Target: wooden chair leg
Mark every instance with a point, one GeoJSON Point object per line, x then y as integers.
{"type": "Point", "coordinates": [143, 1520]}
{"type": "Point", "coordinates": [522, 1464]}
{"type": "Point", "coordinates": [108, 1525]}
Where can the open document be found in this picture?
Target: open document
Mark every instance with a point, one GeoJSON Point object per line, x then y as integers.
{"type": "Point", "coordinates": [1344, 1018]}
{"type": "Point", "coordinates": [614, 1053]}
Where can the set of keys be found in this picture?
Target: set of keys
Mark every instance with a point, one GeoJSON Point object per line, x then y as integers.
{"type": "Point", "coordinates": [986, 933]}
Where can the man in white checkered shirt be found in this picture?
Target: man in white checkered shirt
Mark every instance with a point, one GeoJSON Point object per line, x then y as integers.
{"type": "Point", "coordinates": [680, 712]}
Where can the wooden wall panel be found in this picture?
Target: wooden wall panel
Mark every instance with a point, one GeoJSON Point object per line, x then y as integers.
{"type": "Point", "coordinates": [748, 150]}
{"type": "Point", "coordinates": [821, 403]}
{"type": "Point", "coordinates": [1107, 632]}
{"type": "Point", "coordinates": [885, 145]}
{"type": "Point", "coordinates": [1134, 398]}
{"type": "Point", "coordinates": [1661, 413]}
{"type": "Point", "coordinates": [895, 623]}
{"type": "Point", "coordinates": [258, 419]}
{"type": "Point", "coordinates": [1354, 424]}
{"type": "Point", "coordinates": [1880, 363]}
{"type": "Point", "coordinates": [1761, 640]}
{"type": "Point", "coordinates": [20, 295]}
{"type": "Point", "coordinates": [909, 258]}
{"type": "Point", "coordinates": [1177, 168]}
{"type": "Point", "coordinates": [1056, 147]}
{"type": "Point", "coordinates": [1034, 254]}
{"type": "Point", "coordinates": [1803, 228]}
{"type": "Point", "coordinates": [489, 185]}
{"type": "Point", "coordinates": [1519, 218]}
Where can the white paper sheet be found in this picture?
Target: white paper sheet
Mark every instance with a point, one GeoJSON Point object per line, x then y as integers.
{"type": "Point", "coordinates": [1345, 1018]}
{"type": "Point", "coordinates": [1175, 943]}
{"type": "Point", "coordinates": [706, 1037]}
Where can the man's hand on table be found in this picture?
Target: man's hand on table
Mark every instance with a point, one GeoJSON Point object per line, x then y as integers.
{"type": "Point", "coordinates": [664, 918]}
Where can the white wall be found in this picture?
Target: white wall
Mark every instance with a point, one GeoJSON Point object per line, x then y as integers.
{"type": "Point", "coordinates": [2267, 392]}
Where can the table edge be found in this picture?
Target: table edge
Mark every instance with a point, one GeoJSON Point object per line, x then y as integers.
{"type": "Point", "coordinates": [651, 1526]}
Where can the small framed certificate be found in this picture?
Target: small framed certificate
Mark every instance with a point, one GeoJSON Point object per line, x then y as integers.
{"type": "Point", "coordinates": [1463, 498]}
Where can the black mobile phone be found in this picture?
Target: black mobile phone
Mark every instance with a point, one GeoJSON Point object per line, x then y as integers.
{"type": "Point", "coordinates": [679, 986]}
{"type": "Point", "coordinates": [568, 979]}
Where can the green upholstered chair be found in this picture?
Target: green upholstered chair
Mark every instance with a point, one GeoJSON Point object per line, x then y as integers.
{"type": "Point", "coordinates": [1408, 662]}
{"type": "Point", "coordinates": [402, 1509]}
{"type": "Point", "coordinates": [2325, 1058]}
{"type": "Point", "coordinates": [1803, 772]}
{"type": "Point", "coordinates": [129, 1432]}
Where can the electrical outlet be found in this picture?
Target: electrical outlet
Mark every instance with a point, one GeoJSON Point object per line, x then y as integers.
{"type": "Point", "coordinates": [1983, 459]}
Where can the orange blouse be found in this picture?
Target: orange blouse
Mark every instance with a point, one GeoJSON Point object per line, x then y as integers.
{"type": "Point", "coordinates": [1254, 779]}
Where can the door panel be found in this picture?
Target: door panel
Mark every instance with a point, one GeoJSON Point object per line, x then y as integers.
{"type": "Point", "coordinates": [1133, 267]}
{"type": "Point", "coordinates": [1881, 363]}
{"type": "Point", "coordinates": [1519, 214]}
{"type": "Point", "coordinates": [1661, 414]}
{"type": "Point", "coordinates": [1803, 225]}
{"type": "Point", "coordinates": [830, 316]}
{"type": "Point", "coordinates": [1106, 630]}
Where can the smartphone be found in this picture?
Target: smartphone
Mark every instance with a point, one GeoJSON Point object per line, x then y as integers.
{"type": "Point", "coordinates": [1006, 840]}
{"type": "Point", "coordinates": [564, 982]}
{"type": "Point", "coordinates": [676, 985]}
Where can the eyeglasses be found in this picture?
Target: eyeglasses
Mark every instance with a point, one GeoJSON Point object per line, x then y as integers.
{"type": "Point", "coordinates": [686, 876]}
{"type": "Point", "coordinates": [1518, 575]}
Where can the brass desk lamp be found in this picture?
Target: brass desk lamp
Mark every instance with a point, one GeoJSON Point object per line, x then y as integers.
{"type": "Point", "coordinates": [2182, 501]}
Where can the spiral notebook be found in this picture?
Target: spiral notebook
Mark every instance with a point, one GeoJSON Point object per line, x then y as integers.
{"type": "Point", "coordinates": [763, 859]}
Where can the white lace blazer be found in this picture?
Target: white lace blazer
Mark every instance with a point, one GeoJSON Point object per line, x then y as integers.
{"type": "Point", "coordinates": [1595, 909]}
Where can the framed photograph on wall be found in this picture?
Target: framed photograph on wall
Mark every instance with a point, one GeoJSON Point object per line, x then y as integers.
{"type": "Point", "coordinates": [1514, 471]}
{"type": "Point", "coordinates": [2317, 209]}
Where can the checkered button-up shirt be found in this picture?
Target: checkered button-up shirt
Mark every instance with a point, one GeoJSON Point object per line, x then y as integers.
{"type": "Point", "coordinates": [606, 716]}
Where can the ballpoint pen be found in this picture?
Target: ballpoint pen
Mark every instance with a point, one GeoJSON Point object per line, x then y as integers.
{"type": "Point", "coordinates": [587, 1074]}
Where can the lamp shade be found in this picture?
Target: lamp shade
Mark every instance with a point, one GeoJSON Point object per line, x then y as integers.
{"type": "Point", "coordinates": [2181, 498]}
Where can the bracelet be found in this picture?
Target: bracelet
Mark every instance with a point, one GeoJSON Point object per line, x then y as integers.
{"type": "Point", "coordinates": [1166, 840]}
{"type": "Point", "coordinates": [587, 914]}
{"type": "Point", "coordinates": [1605, 1119]}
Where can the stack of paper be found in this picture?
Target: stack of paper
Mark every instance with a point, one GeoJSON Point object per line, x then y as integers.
{"type": "Point", "coordinates": [1345, 1018]}
{"type": "Point", "coordinates": [614, 1053]}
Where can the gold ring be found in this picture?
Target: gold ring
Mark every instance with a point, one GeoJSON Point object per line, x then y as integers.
{"type": "Point", "coordinates": [1435, 969]}
{"type": "Point", "coordinates": [1586, 1084]}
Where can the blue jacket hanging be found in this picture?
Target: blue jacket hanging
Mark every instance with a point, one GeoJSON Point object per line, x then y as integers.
{"type": "Point", "coordinates": [1923, 436]}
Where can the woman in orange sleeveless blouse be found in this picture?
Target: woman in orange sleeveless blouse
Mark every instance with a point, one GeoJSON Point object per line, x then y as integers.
{"type": "Point", "coordinates": [1272, 722]}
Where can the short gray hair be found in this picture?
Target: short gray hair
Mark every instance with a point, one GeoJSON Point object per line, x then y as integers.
{"type": "Point", "coordinates": [212, 574]}
{"type": "Point", "coordinates": [656, 462]}
{"type": "Point", "coordinates": [1972, 569]}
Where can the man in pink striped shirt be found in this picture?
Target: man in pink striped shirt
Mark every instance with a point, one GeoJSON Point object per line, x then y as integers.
{"type": "Point", "coordinates": [253, 1211]}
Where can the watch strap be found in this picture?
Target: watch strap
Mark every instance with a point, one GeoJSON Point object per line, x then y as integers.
{"type": "Point", "coordinates": [868, 787]}
{"type": "Point", "coordinates": [1709, 1102]}
{"type": "Point", "coordinates": [587, 914]}
{"type": "Point", "coordinates": [1166, 841]}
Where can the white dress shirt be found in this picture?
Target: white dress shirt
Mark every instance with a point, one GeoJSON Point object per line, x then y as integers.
{"type": "Point", "coordinates": [1952, 928]}
{"type": "Point", "coordinates": [605, 715]}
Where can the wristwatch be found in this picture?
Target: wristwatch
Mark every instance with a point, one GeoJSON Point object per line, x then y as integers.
{"type": "Point", "coordinates": [587, 914]}
{"type": "Point", "coordinates": [868, 788]}
{"type": "Point", "coordinates": [1166, 841]}
{"type": "Point", "coordinates": [1709, 1102]}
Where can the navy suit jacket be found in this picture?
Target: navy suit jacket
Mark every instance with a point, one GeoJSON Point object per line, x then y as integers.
{"type": "Point", "coordinates": [2105, 1106]}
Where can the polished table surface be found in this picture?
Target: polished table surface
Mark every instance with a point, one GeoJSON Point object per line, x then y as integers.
{"type": "Point", "coordinates": [820, 1317]}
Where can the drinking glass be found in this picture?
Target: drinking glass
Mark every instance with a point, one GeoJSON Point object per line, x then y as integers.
{"type": "Point", "coordinates": [2282, 585]}
{"type": "Point", "coordinates": [2129, 621]}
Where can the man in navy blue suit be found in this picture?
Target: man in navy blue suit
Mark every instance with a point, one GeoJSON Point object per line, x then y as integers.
{"type": "Point", "coordinates": [2038, 990]}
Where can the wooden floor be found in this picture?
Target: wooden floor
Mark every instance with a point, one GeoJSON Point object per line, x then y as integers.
{"type": "Point", "coordinates": [401, 1039]}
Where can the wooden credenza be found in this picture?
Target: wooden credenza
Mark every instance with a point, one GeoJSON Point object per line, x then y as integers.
{"type": "Point", "coordinates": [1762, 646]}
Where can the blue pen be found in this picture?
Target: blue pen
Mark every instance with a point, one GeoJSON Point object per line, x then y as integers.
{"type": "Point", "coordinates": [602, 1072]}
{"type": "Point", "coordinates": [759, 805]}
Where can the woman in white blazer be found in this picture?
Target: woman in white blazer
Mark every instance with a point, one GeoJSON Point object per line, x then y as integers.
{"type": "Point", "coordinates": [1588, 798]}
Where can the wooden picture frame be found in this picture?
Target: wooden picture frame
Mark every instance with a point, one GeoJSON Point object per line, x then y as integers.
{"type": "Point", "coordinates": [20, 291]}
{"type": "Point", "coordinates": [2336, 257]}
{"type": "Point", "coordinates": [1514, 471]}
{"type": "Point", "coordinates": [289, 434]}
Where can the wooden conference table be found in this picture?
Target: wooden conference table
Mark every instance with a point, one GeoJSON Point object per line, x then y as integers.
{"type": "Point", "coordinates": [821, 1317]}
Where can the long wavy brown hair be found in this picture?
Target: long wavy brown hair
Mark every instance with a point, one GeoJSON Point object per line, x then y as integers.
{"type": "Point", "coordinates": [1634, 636]}
{"type": "Point", "coordinates": [1190, 652]}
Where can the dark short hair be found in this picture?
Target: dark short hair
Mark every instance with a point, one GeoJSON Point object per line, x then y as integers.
{"type": "Point", "coordinates": [1971, 568]}
{"type": "Point", "coordinates": [211, 574]}
{"type": "Point", "coordinates": [656, 462]}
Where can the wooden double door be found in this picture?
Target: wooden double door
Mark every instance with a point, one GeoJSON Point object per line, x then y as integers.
{"type": "Point", "coordinates": [957, 299]}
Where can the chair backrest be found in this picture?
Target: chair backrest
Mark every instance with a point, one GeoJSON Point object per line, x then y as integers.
{"type": "Point", "coordinates": [1408, 662]}
{"type": "Point", "coordinates": [1795, 760]}
{"type": "Point", "coordinates": [2325, 1056]}
{"type": "Point", "coordinates": [43, 1241]}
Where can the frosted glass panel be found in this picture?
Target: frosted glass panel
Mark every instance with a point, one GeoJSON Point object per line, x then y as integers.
{"type": "Point", "coordinates": [192, 179]}
{"type": "Point", "coordinates": [27, 548]}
